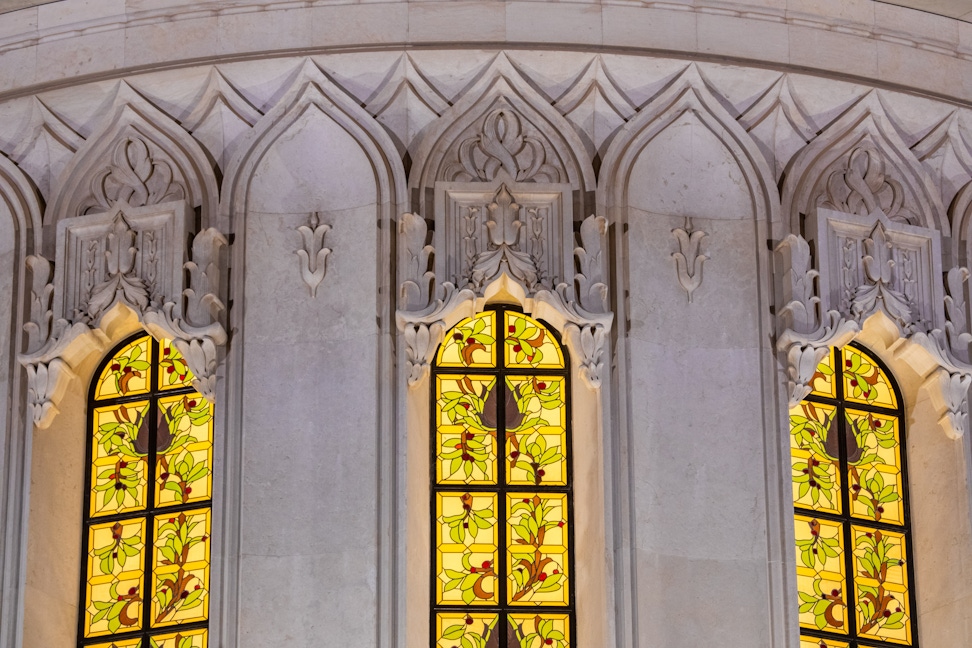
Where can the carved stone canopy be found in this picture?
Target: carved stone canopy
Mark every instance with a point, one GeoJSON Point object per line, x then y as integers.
{"type": "Point", "coordinates": [135, 258]}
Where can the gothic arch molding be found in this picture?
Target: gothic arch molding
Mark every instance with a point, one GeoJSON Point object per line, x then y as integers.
{"type": "Point", "coordinates": [313, 99]}
{"type": "Point", "coordinates": [858, 164]}
{"type": "Point", "coordinates": [138, 156]}
{"type": "Point", "coordinates": [489, 130]}
{"type": "Point", "coordinates": [689, 96]}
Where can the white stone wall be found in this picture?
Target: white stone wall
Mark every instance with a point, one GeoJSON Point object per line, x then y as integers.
{"type": "Point", "coordinates": [269, 123]}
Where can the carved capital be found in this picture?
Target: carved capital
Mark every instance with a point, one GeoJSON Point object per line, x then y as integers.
{"type": "Point", "coordinates": [423, 329]}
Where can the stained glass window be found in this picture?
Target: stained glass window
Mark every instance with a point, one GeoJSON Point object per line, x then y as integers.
{"type": "Point", "coordinates": [501, 488]}
{"type": "Point", "coordinates": [854, 573]}
{"type": "Point", "coordinates": [147, 515]}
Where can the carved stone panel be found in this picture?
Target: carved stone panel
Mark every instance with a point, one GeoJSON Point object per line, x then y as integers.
{"type": "Point", "coordinates": [134, 256]}
{"type": "Point", "coordinates": [870, 262]}
{"type": "Point", "coordinates": [484, 230]}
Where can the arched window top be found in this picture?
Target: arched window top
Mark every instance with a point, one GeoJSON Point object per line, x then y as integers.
{"type": "Point", "coordinates": [524, 343]}
{"type": "Point", "coordinates": [852, 528]}
{"type": "Point", "coordinates": [147, 515]}
{"type": "Point", "coordinates": [502, 520]}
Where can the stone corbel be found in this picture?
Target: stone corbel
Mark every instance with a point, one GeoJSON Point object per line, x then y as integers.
{"type": "Point", "coordinates": [948, 384]}
{"type": "Point", "coordinates": [804, 351]}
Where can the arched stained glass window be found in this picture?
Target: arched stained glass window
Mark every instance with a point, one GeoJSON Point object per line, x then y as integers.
{"type": "Point", "coordinates": [501, 487]}
{"type": "Point", "coordinates": [847, 447]}
{"type": "Point", "coordinates": [147, 515]}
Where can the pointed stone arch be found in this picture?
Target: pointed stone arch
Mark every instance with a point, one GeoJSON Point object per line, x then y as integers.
{"type": "Point", "coordinates": [341, 163]}
{"type": "Point", "coordinates": [500, 123]}
{"type": "Point", "coordinates": [138, 155]}
{"type": "Point", "coordinates": [858, 164]}
{"type": "Point", "coordinates": [687, 101]}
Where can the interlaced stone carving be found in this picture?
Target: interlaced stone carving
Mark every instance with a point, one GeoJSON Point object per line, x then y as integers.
{"type": "Point", "coordinates": [134, 178]}
{"type": "Point", "coordinates": [861, 186]}
{"type": "Point", "coordinates": [501, 147]}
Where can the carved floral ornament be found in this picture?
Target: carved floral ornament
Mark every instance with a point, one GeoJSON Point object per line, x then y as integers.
{"type": "Point", "coordinates": [867, 265]}
{"type": "Point", "coordinates": [134, 256]}
{"type": "Point", "coordinates": [429, 308]}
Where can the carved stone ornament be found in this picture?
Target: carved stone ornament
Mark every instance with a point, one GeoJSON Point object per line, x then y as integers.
{"type": "Point", "coordinates": [429, 309]}
{"type": "Point", "coordinates": [134, 178]}
{"type": "Point", "coordinates": [313, 256]}
{"type": "Point", "coordinates": [523, 230]}
{"type": "Point", "coordinates": [871, 263]}
{"type": "Point", "coordinates": [133, 258]}
{"type": "Point", "coordinates": [859, 184]}
{"type": "Point", "coordinates": [501, 147]}
{"type": "Point", "coordinates": [689, 258]}
{"type": "Point", "coordinates": [808, 327]}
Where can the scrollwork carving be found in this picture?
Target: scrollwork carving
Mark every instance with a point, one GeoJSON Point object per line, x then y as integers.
{"type": "Point", "coordinates": [499, 147]}
{"type": "Point", "coordinates": [861, 186]}
{"type": "Point", "coordinates": [134, 178]}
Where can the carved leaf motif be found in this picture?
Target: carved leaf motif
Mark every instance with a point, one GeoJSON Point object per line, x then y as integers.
{"type": "Point", "coordinates": [313, 258]}
{"type": "Point", "coordinates": [134, 178]}
{"type": "Point", "coordinates": [502, 146]}
{"type": "Point", "coordinates": [689, 259]}
{"type": "Point", "coordinates": [122, 282]}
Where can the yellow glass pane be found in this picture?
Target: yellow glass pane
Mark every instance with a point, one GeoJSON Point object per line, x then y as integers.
{"type": "Point", "coordinates": [822, 382]}
{"type": "Point", "coordinates": [466, 411]}
{"type": "Point", "coordinates": [536, 536]}
{"type": "Point", "coordinates": [814, 642]}
{"type": "Point", "coordinates": [874, 467]}
{"type": "Point", "coordinates": [183, 639]}
{"type": "Point", "coordinates": [181, 568]}
{"type": "Point", "coordinates": [540, 630]}
{"type": "Point", "coordinates": [536, 433]}
{"type": "Point", "coordinates": [470, 343]}
{"type": "Point", "coordinates": [821, 579]}
{"type": "Point", "coordinates": [185, 446]}
{"type": "Point", "coordinates": [121, 441]}
{"type": "Point", "coordinates": [465, 629]}
{"type": "Point", "coordinates": [466, 549]}
{"type": "Point", "coordinates": [816, 473]}
{"type": "Point", "coordinates": [881, 581]}
{"type": "Point", "coordinates": [173, 370]}
{"type": "Point", "coordinates": [864, 382]}
{"type": "Point", "coordinates": [115, 570]}
{"type": "Point", "coordinates": [529, 344]}
{"type": "Point", "coordinates": [119, 643]}
{"type": "Point", "coordinates": [129, 371]}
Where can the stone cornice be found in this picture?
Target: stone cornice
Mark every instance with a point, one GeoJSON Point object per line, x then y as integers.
{"type": "Point", "coordinates": [881, 36]}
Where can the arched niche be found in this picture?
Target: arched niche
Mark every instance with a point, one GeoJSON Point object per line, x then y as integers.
{"type": "Point", "coordinates": [859, 164]}
{"type": "Point", "coordinates": [317, 175]}
{"type": "Point", "coordinates": [683, 184]}
{"type": "Point", "coordinates": [20, 232]}
{"type": "Point", "coordinates": [529, 129]}
{"type": "Point", "coordinates": [137, 155]}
